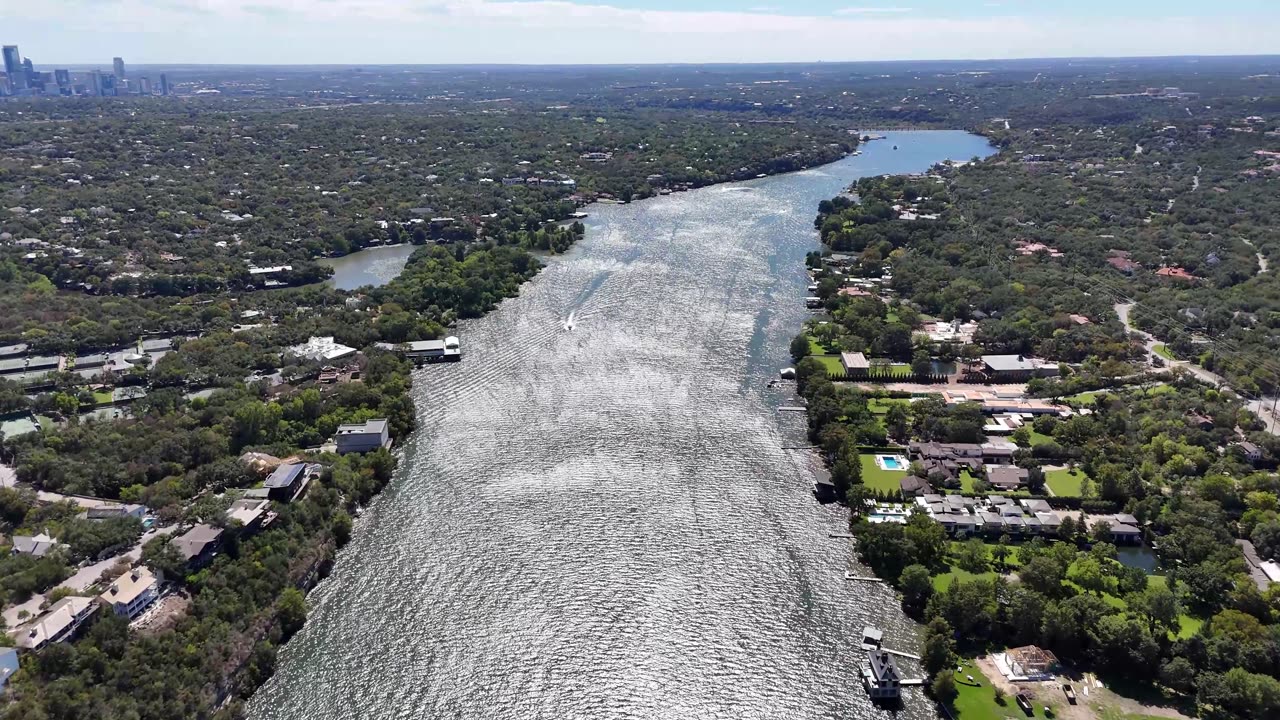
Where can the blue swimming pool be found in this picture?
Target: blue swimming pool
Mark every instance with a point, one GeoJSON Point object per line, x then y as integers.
{"type": "Point", "coordinates": [890, 463]}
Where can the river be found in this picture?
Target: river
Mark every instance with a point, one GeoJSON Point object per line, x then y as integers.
{"type": "Point", "coordinates": [595, 518]}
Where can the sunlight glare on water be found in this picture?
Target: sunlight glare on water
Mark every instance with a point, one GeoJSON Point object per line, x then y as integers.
{"type": "Point", "coordinates": [595, 518]}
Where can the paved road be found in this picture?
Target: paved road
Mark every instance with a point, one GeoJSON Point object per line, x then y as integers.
{"type": "Point", "coordinates": [1264, 408]}
{"type": "Point", "coordinates": [83, 578]}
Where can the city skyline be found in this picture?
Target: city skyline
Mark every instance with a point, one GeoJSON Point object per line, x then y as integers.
{"type": "Point", "coordinates": [348, 32]}
{"type": "Point", "coordinates": [21, 78]}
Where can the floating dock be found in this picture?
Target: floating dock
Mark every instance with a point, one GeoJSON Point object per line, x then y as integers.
{"type": "Point", "coordinates": [862, 578]}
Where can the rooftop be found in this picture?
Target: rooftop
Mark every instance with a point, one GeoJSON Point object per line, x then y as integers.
{"type": "Point", "coordinates": [194, 541]}
{"type": "Point", "coordinates": [129, 586]}
{"type": "Point", "coordinates": [284, 475]}
{"type": "Point", "coordinates": [367, 427]}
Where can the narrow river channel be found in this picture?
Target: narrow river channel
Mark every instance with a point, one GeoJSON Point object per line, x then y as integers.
{"type": "Point", "coordinates": [596, 518]}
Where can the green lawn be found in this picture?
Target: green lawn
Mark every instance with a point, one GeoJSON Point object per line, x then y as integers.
{"type": "Point", "coordinates": [815, 348]}
{"type": "Point", "coordinates": [943, 581]}
{"type": "Point", "coordinates": [966, 481]}
{"type": "Point", "coordinates": [979, 703]}
{"type": "Point", "coordinates": [831, 363]}
{"type": "Point", "coordinates": [1161, 390]}
{"type": "Point", "coordinates": [1164, 352]}
{"type": "Point", "coordinates": [1038, 438]}
{"type": "Point", "coordinates": [1065, 483]}
{"type": "Point", "coordinates": [880, 406]}
{"type": "Point", "coordinates": [877, 479]}
{"type": "Point", "coordinates": [102, 397]}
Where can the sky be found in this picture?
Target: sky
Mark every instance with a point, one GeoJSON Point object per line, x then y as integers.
{"type": "Point", "coordinates": [366, 32]}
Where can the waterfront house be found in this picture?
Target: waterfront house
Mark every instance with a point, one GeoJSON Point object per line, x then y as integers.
{"type": "Point", "coordinates": [198, 545]}
{"type": "Point", "coordinates": [284, 483]}
{"type": "Point", "coordinates": [132, 593]}
{"type": "Point", "coordinates": [881, 677]}
{"type": "Point", "coordinates": [365, 437]}
{"type": "Point", "coordinates": [855, 364]}
{"type": "Point", "coordinates": [446, 350]}
{"type": "Point", "coordinates": [59, 624]}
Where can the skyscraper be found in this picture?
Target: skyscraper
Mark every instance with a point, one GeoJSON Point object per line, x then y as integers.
{"type": "Point", "coordinates": [164, 84]}
{"type": "Point", "coordinates": [95, 83]}
{"type": "Point", "coordinates": [14, 69]}
{"type": "Point", "coordinates": [144, 86]}
{"type": "Point", "coordinates": [62, 78]}
{"type": "Point", "coordinates": [119, 65]}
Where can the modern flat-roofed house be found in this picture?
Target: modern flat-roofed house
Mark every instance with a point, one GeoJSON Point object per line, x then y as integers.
{"type": "Point", "coordinates": [251, 513]}
{"type": "Point", "coordinates": [59, 624]}
{"type": "Point", "coordinates": [198, 545]}
{"type": "Point", "coordinates": [855, 364]}
{"type": "Point", "coordinates": [446, 350]}
{"type": "Point", "coordinates": [109, 511]}
{"type": "Point", "coordinates": [322, 349]}
{"type": "Point", "coordinates": [365, 437]}
{"type": "Point", "coordinates": [1015, 368]}
{"type": "Point", "coordinates": [285, 481]}
{"type": "Point", "coordinates": [132, 592]}
{"type": "Point", "coordinates": [882, 679]}
{"type": "Point", "coordinates": [8, 351]}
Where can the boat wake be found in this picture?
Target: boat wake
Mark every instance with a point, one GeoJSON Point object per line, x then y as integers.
{"type": "Point", "coordinates": [569, 324]}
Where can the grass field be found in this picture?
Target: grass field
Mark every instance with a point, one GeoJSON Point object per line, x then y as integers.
{"type": "Point", "coordinates": [831, 363]}
{"type": "Point", "coordinates": [979, 703]}
{"type": "Point", "coordinates": [1065, 483]}
{"type": "Point", "coordinates": [966, 481]}
{"type": "Point", "coordinates": [102, 397]}
{"type": "Point", "coordinates": [880, 406]}
{"type": "Point", "coordinates": [877, 479]}
{"type": "Point", "coordinates": [1038, 438]}
{"type": "Point", "coordinates": [1164, 352]}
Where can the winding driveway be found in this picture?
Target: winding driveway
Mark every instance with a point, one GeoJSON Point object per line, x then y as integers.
{"type": "Point", "coordinates": [1262, 407]}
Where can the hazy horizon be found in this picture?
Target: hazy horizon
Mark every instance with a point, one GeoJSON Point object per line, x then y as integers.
{"type": "Point", "coordinates": [628, 32]}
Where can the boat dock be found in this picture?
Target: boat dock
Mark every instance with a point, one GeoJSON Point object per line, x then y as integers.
{"type": "Point", "coordinates": [840, 536]}
{"type": "Point", "coordinates": [862, 578]}
{"type": "Point", "coordinates": [899, 653]}
{"type": "Point", "coordinates": [792, 409]}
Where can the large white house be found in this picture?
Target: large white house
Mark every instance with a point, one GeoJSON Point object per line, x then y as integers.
{"type": "Point", "coordinates": [132, 592]}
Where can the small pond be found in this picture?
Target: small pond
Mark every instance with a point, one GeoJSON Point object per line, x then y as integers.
{"type": "Point", "coordinates": [374, 266]}
{"type": "Point", "coordinates": [1138, 557]}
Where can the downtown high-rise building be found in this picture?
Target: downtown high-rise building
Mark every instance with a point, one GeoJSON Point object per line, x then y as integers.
{"type": "Point", "coordinates": [118, 63]}
{"type": "Point", "coordinates": [14, 69]}
{"type": "Point", "coordinates": [164, 84]}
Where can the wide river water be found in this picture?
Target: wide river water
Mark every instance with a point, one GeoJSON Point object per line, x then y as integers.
{"type": "Point", "coordinates": [596, 518]}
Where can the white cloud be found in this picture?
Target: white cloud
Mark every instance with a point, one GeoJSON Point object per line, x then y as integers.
{"type": "Point", "coordinates": [553, 31]}
{"type": "Point", "coordinates": [873, 10]}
